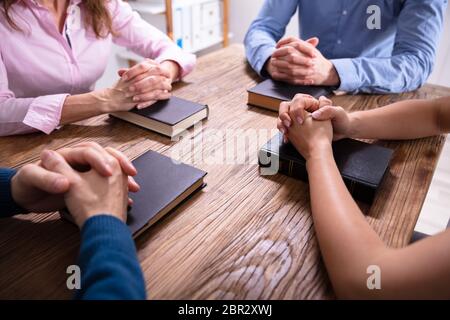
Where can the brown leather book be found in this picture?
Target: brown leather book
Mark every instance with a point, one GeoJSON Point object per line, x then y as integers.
{"type": "Point", "coordinates": [269, 94]}
{"type": "Point", "coordinates": [164, 185]}
{"type": "Point", "coordinates": [361, 165]}
{"type": "Point", "coordinates": [169, 117]}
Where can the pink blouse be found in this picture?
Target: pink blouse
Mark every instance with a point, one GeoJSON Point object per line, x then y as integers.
{"type": "Point", "coordinates": [40, 67]}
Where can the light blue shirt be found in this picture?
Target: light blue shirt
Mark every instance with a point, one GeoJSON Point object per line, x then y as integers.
{"type": "Point", "coordinates": [398, 57]}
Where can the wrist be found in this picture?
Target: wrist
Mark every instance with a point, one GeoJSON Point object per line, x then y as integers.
{"type": "Point", "coordinates": [173, 68]}
{"type": "Point", "coordinates": [321, 150]}
{"type": "Point", "coordinates": [332, 77]}
{"type": "Point", "coordinates": [103, 100]}
{"type": "Point", "coordinates": [353, 120]}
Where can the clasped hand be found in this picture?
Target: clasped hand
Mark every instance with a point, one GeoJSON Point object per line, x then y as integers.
{"type": "Point", "coordinates": [142, 85]}
{"type": "Point", "coordinates": [86, 179]}
{"type": "Point", "coordinates": [312, 124]}
{"type": "Point", "coordinates": [299, 62]}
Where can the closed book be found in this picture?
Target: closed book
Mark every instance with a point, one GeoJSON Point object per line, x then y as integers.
{"type": "Point", "coordinates": [168, 117]}
{"type": "Point", "coordinates": [361, 165]}
{"type": "Point", "coordinates": [164, 184]}
{"type": "Point", "coordinates": [269, 94]}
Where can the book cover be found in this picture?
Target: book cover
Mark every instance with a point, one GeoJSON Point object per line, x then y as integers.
{"type": "Point", "coordinates": [361, 165]}
{"type": "Point", "coordinates": [164, 185]}
{"type": "Point", "coordinates": [269, 93]}
{"type": "Point", "coordinates": [168, 117]}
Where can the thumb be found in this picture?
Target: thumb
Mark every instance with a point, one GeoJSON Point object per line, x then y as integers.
{"type": "Point", "coordinates": [313, 41]}
{"type": "Point", "coordinates": [325, 113]}
{"type": "Point", "coordinates": [49, 182]}
{"type": "Point", "coordinates": [121, 72]}
{"type": "Point", "coordinates": [53, 161]}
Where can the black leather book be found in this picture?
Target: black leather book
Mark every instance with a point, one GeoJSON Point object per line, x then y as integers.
{"type": "Point", "coordinates": [269, 93]}
{"type": "Point", "coordinates": [164, 185]}
{"type": "Point", "coordinates": [361, 165]}
{"type": "Point", "coordinates": [168, 117]}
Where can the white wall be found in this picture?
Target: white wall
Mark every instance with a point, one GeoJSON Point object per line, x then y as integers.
{"type": "Point", "coordinates": [242, 13]}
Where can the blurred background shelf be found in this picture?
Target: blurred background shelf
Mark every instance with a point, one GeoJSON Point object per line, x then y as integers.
{"type": "Point", "coordinates": [194, 25]}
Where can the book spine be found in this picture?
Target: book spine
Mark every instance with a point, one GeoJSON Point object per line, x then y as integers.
{"type": "Point", "coordinates": [297, 170]}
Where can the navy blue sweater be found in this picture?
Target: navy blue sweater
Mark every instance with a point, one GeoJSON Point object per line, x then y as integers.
{"type": "Point", "coordinates": [108, 261]}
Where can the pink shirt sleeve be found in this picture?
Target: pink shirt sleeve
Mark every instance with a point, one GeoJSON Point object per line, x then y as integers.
{"type": "Point", "coordinates": [145, 40]}
{"type": "Point", "coordinates": [25, 115]}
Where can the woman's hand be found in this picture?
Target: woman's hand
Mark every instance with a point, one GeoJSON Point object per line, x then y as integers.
{"type": "Point", "coordinates": [341, 120]}
{"type": "Point", "coordinates": [38, 190]}
{"type": "Point", "coordinates": [295, 109]}
{"type": "Point", "coordinates": [311, 138]}
{"type": "Point", "coordinates": [149, 81]}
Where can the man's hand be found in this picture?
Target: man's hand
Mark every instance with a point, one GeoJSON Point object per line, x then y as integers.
{"type": "Point", "coordinates": [90, 193]}
{"type": "Point", "coordinates": [38, 190]}
{"type": "Point", "coordinates": [299, 62]}
{"type": "Point", "coordinates": [341, 120]}
{"type": "Point", "coordinates": [300, 103]}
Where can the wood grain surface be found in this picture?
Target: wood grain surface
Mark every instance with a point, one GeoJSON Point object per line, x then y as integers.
{"type": "Point", "coordinates": [243, 237]}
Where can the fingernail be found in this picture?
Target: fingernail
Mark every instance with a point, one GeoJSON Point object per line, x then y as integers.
{"type": "Point", "coordinates": [61, 183]}
{"type": "Point", "coordinates": [136, 99]}
{"type": "Point", "coordinates": [287, 123]}
{"type": "Point", "coordinates": [46, 155]}
{"type": "Point", "coordinates": [299, 120]}
{"type": "Point", "coordinates": [108, 168]}
{"type": "Point", "coordinates": [316, 114]}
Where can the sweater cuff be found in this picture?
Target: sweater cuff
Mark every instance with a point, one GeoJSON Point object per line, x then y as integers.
{"type": "Point", "coordinates": [108, 232]}
{"type": "Point", "coordinates": [8, 207]}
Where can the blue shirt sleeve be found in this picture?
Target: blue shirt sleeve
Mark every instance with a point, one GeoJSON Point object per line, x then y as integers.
{"type": "Point", "coordinates": [108, 262]}
{"type": "Point", "coordinates": [266, 30]}
{"type": "Point", "coordinates": [8, 206]}
{"type": "Point", "coordinates": [418, 31]}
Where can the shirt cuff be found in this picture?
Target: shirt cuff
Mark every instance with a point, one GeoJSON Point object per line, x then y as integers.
{"type": "Point", "coordinates": [185, 60]}
{"type": "Point", "coordinates": [348, 74]}
{"type": "Point", "coordinates": [264, 54]}
{"type": "Point", "coordinates": [44, 113]}
{"type": "Point", "coordinates": [8, 207]}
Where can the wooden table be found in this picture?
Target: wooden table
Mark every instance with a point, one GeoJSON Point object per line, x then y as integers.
{"type": "Point", "coordinates": [245, 236]}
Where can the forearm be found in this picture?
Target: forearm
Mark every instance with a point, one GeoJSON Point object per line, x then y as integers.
{"type": "Point", "coordinates": [347, 242]}
{"type": "Point", "coordinates": [83, 106]}
{"type": "Point", "coordinates": [108, 262]}
{"type": "Point", "coordinates": [349, 245]}
{"type": "Point", "coordinates": [396, 74]}
{"type": "Point", "coordinates": [402, 121]}
{"type": "Point", "coordinates": [266, 30]}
